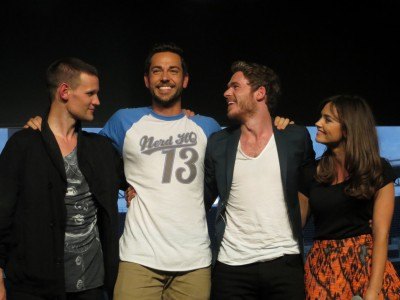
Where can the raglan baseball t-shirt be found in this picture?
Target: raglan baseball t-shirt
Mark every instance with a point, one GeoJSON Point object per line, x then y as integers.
{"type": "Point", "coordinates": [165, 226]}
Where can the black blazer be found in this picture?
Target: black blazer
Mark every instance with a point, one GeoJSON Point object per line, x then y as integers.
{"type": "Point", "coordinates": [295, 152]}
{"type": "Point", "coordinates": [32, 210]}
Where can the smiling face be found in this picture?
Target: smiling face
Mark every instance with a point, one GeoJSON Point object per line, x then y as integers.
{"type": "Point", "coordinates": [83, 97]}
{"type": "Point", "coordinates": [240, 97]}
{"type": "Point", "coordinates": [165, 79]}
{"type": "Point", "coordinates": [329, 128]}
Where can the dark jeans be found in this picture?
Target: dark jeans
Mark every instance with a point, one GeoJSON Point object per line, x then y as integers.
{"type": "Point", "coordinates": [281, 278]}
{"type": "Point", "coordinates": [92, 294]}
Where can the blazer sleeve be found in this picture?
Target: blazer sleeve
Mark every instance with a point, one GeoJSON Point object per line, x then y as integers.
{"type": "Point", "coordinates": [10, 161]}
{"type": "Point", "coordinates": [119, 166]}
{"type": "Point", "coordinates": [308, 165]}
{"type": "Point", "coordinates": [210, 184]}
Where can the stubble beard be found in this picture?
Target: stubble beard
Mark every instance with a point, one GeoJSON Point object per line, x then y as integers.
{"type": "Point", "coordinates": [246, 111]}
{"type": "Point", "coordinates": [167, 102]}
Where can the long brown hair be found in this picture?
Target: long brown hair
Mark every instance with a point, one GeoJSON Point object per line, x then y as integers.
{"type": "Point", "coordinates": [362, 159]}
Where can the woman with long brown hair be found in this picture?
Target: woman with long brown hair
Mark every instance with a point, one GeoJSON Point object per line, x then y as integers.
{"type": "Point", "coordinates": [350, 185]}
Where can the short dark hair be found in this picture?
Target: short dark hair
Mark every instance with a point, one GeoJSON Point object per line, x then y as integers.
{"type": "Point", "coordinates": [68, 70]}
{"type": "Point", "coordinates": [259, 75]}
{"type": "Point", "coordinates": [165, 47]}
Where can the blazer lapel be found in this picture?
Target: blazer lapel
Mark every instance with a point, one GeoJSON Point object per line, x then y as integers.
{"type": "Point", "coordinates": [231, 149]}
{"type": "Point", "coordinates": [282, 154]}
{"type": "Point", "coordinates": [52, 148]}
{"type": "Point", "coordinates": [84, 160]}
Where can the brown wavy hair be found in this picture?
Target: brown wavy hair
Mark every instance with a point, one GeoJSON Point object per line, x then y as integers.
{"type": "Point", "coordinates": [362, 159]}
{"type": "Point", "coordinates": [260, 75]}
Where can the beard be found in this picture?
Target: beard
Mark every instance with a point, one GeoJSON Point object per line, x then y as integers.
{"type": "Point", "coordinates": [167, 102]}
{"type": "Point", "coordinates": [246, 109]}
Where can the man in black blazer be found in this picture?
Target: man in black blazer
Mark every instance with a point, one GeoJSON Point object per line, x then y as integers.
{"type": "Point", "coordinates": [58, 198]}
{"type": "Point", "coordinates": [254, 169]}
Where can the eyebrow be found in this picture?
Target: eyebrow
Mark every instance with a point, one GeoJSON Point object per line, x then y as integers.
{"type": "Point", "coordinates": [170, 67]}
{"type": "Point", "coordinates": [330, 116]}
{"type": "Point", "coordinates": [232, 83]}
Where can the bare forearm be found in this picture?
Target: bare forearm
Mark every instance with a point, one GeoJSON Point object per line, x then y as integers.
{"type": "Point", "coordinates": [379, 257]}
{"type": "Point", "coordinates": [304, 208]}
{"type": "Point", "coordinates": [382, 216]}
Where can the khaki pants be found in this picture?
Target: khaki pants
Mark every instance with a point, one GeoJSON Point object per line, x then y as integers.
{"type": "Point", "coordinates": [138, 282]}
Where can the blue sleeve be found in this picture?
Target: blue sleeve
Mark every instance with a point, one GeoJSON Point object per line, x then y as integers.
{"type": "Point", "coordinates": [209, 125]}
{"type": "Point", "coordinates": [120, 122]}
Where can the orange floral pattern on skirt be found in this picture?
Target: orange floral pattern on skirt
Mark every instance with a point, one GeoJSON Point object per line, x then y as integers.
{"type": "Point", "coordinates": [340, 269]}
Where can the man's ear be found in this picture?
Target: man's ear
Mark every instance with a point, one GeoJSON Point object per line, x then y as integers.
{"type": "Point", "coordinates": [146, 81]}
{"type": "Point", "coordinates": [185, 81]}
{"type": "Point", "coordinates": [261, 93]}
{"type": "Point", "coordinates": [63, 91]}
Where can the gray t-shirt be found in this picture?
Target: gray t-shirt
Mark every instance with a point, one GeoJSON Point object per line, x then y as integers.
{"type": "Point", "coordinates": [83, 257]}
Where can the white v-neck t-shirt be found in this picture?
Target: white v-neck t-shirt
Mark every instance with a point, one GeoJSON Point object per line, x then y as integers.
{"type": "Point", "coordinates": [257, 221]}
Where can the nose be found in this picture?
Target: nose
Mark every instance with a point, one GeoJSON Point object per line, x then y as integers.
{"type": "Point", "coordinates": [96, 100]}
{"type": "Point", "coordinates": [165, 77]}
{"type": "Point", "coordinates": [318, 123]}
{"type": "Point", "coordinates": [228, 93]}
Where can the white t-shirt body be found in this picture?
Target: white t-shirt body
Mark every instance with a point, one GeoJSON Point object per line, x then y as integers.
{"type": "Point", "coordinates": [257, 222]}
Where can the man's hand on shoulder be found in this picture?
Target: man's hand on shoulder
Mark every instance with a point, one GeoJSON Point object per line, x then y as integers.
{"type": "Point", "coordinates": [281, 123]}
{"type": "Point", "coordinates": [188, 112]}
{"type": "Point", "coordinates": [130, 193]}
{"type": "Point", "coordinates": [34, 123]}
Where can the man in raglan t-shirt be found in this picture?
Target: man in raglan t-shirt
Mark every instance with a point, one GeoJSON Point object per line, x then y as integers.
{"type": "Point", "coordinates": [165, 247]}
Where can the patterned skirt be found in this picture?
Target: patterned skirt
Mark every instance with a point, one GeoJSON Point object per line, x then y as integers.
{"type": "Point", "coordinates": [340, 269]}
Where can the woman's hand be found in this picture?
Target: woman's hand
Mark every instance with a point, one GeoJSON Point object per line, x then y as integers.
{"type": "Point", "coordinates": [371, 294]}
